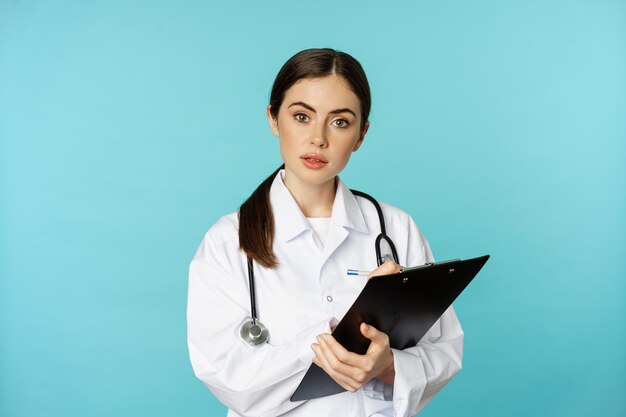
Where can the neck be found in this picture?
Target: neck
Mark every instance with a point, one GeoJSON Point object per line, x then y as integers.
{"type": "Point", "coordinates": [313, 200]}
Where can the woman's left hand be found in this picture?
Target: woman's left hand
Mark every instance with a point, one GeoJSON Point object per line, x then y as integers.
{"type": "Point", "coordinates": [351, 370]}
{"type": "Point", "coordinates": [387, 268]}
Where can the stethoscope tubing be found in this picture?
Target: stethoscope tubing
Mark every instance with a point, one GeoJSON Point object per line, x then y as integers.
{"type": "Point", "coordinates": [252, 292]}
{"type": "Point", "coordinates": [383, 231]}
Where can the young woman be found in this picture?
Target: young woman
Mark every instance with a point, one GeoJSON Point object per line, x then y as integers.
{"type": "Point", "coordinates": [302, 229]}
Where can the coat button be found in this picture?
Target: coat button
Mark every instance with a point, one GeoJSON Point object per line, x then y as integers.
{"type": "Point", "coordinates": [329, 298]}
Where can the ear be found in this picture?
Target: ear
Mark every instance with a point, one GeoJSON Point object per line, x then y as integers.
{"type": "Point", "coordinates": [358, 143]}
{"type": "Point", "coordinates": [273, 122]}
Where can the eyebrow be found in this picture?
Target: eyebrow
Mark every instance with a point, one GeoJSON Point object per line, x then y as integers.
{"type": "Point", "coordinates": [310, 108]}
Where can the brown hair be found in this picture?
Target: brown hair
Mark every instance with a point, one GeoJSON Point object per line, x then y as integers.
{"type": "Point", "coordinates": [256, 221]}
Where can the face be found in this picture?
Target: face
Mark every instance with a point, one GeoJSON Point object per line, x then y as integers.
{"type": "Point", "coordinates": [319, 126]}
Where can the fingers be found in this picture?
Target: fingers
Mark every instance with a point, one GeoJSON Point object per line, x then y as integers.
{"type": "Point", "coordinates": [348, 369]}
{"type": "Point", "coordinates": [340, 353]}
{"type": "Point", "coordinates": [320, 360]}
{"type": "Point", "coordinates": [375, 335]}
{"type": "Point", "coordinates": [388, 267]}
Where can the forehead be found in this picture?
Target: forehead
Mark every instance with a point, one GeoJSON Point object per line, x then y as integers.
{"type": "Point", "coordinates": [326, 93]}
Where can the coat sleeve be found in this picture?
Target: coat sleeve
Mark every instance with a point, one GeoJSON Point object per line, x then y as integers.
{"type": "Point", "coordinates": [422, 370]}
{"type": "Point", "coordinates": [252, 381]}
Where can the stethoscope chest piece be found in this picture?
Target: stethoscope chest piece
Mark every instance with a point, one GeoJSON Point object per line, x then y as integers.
{"type": "Point", "coordinates": [254, 333]}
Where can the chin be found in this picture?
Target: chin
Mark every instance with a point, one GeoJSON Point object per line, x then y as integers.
{"type": "Point", "coordinates": [313, 177]}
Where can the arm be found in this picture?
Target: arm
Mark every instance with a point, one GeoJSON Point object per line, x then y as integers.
{"type": "Point", "coordinates": [422, 370]}
{"type": "Point", "coordinates": [413, 376]}
{"type": "Point", "coordinates": [251, 381]}
{"type": "Point", "coordinates": [416, 373]}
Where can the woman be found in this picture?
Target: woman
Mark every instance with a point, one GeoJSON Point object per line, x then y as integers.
{"type": "Point", "coordinates": [303, 229]}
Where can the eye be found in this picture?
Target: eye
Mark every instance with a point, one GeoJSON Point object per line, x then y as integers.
{"type": "Point", "coordinates": [301, 117]}
{"type": "Point", "coordinates": [341, 123]}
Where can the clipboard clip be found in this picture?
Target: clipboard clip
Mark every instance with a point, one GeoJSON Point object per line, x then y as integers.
{"type": "Point", "coordinates": [430, 264]}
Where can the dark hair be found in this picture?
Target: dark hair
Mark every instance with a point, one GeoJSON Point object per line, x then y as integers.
{"type": "Point", "coordinates": [256, 221]}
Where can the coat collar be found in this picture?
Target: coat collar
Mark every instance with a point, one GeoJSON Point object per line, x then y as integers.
{"type": "Point", "coordinates": [289, 221]}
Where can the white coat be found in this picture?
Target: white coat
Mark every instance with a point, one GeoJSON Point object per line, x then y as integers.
{"type": "Point", "coordinates": [298, 301]}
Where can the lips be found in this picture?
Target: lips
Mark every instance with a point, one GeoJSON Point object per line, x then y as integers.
{"type": "Point", "coordinates": [314, 161]}
{"type": "Point", "coordinates": [314, 158]}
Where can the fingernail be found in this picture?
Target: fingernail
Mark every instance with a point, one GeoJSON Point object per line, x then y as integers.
{"type": "Point", "coordinates": [366, 327]}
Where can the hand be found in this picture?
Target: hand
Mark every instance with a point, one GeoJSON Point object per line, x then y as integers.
{"type": "Point", "coordinates": [351, 370]}
{"type": "Point", "coordinates": [388, 267]}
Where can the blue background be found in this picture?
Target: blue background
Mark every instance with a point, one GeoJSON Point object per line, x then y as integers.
{"type": "Point", "coordinates": [128, 128]}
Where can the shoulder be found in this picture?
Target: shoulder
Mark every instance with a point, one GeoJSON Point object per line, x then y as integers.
{"type": "Point", "coordinates": [412, 246]}
{"type": "Point", "coordinates": [222, 236]}
{"type": "Point", "coordinates": [225, 229]}
{"type": "Point", "coordinates": [218, 263]}
{"type": "Point", "coordinates": [399, 220]}
{"type": "Point", "coordinates": [394, 213]}
{"type": "Point", "coordinates": [395, 218]}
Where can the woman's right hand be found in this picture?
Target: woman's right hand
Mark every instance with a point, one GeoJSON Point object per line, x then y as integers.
{"type": "Point", "coordinates": [388, 267]}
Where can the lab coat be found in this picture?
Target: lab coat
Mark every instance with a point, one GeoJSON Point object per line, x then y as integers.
{"type": "Point", "coordinates": [300, 299]}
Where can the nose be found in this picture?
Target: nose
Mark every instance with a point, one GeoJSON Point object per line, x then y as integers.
{"type": "Point", "coordinates": [319, 136]}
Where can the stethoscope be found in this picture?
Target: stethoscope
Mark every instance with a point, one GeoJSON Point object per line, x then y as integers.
{"type": "Point", "coordinates": [255, 333]}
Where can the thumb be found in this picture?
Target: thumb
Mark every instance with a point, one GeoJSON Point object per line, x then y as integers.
{"type": "Point", "coordinates": [387, 268]}
{"type": "Point", "coordinates": [370, 332]}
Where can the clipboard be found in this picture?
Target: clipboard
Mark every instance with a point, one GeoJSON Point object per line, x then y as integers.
{"type": "Point", "coordinates": [404, 305]}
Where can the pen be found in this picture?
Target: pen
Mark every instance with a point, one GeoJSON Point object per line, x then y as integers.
{"type": "Point", "coordinates": [356, 272]}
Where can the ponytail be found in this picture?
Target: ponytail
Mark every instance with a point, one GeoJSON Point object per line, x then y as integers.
{"type": "Point", "coordinates": [256, 225]}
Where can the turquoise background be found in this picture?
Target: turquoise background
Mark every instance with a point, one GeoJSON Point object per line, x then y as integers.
{"type": "Point", "coordinates": [128, 128]}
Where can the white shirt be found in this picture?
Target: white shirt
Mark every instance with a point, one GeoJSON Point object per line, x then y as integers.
{"type": "Point", "coordinates": [320, 226]}
{"type": "Point", "coordinates": [297, 301]}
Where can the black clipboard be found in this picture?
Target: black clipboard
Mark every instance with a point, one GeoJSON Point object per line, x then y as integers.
{"type": "Point", "coordinates": [403, 305]}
